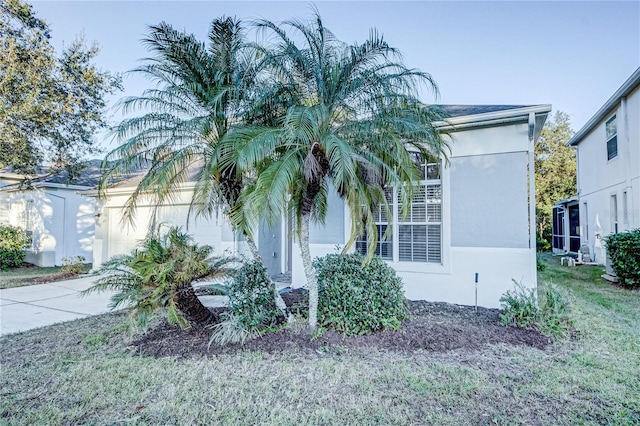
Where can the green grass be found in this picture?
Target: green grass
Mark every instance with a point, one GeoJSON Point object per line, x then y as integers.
{"type": "Point", "coordinates": [83, 372]}
{"type": "Point", "coordinates": [23, 276]}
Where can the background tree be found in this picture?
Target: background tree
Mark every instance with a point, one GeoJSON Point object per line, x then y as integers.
{"type": "Point", "coordinates": [51, 106]}
{"type": "Point", "coordinates": [555, 165]}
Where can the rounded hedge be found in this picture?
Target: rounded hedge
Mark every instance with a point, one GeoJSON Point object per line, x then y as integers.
{"type": "Point", "coordinates": [624, 252]}
{"type": "Point", "coordinates": [356, 298]}
{"type": "Point", "coordinates": [13, 240]}
{"type": "Point", "coordinates": [251, 297]}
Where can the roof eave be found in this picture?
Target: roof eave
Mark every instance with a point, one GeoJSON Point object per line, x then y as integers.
{"type": "Point", "coordinates": [628, 86]}
{"type": "Point", "coordinates": [492, 118]}
{"type": "Point", "coordinates": [44, 185]}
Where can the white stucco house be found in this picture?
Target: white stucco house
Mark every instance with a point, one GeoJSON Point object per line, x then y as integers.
{"type": "Point", "coordinates": [475, 215]}
{"type": "Point", "coordinates": [608, 168]}
{"type": "Point", "coordinates": [59, 220]}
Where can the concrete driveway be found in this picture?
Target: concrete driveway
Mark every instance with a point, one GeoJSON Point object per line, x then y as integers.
{"type": "Point", "coordinates": [25, 308]}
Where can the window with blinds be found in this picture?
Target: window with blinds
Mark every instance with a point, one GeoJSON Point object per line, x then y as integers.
{"type": "Point", "coordinates": [417, 237]}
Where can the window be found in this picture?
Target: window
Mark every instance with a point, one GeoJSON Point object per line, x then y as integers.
{"type": "Point", "coordinates": [418, 236]}
{"type": "Point", "coordinates": [612, 138]}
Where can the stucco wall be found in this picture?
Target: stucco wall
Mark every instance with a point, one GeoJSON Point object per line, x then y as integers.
{"type": "Point", "coordinates": [599, 179]}
{"type": "Point", "coordinates": [63, 224]}
{"type": "Point", "coordinates": [486, 229]}
{"type": "Point", "coordinates": [117, 236]}
{"type": "Point", "coordinates": [489, 201]}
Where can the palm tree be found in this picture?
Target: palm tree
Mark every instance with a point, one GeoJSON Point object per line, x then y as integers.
{"type": "Point", "coordinates": [198, 95]}
{"type": "Point", "coordinates": [158, 274]}
{"type": "Point", "coordinates": [202, 90]}
{"type": "Point", "coordinates": [350, 116]}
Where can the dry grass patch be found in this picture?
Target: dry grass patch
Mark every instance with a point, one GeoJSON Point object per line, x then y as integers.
{"type": "Point", "coordinates": [29, 274]}
{"type": "Point", "coordinates": [87, 372]}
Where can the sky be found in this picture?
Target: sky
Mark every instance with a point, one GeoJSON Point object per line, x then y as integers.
{"type": "Point", "coordinates": [570, 54]}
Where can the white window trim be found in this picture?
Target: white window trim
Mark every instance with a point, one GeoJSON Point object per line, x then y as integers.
{"type": "Point", "coordinates": [614, 119]}
{"type": "Point", "coordinates": [444, 267]}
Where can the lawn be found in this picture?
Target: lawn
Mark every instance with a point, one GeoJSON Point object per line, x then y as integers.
{"type": "Point", "coordinates": [88, 372]}
{"type": "Point", "coordinates": [31, 274]}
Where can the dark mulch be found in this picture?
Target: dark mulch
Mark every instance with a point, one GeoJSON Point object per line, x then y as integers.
{"type": "Point", "coordinates": [435, 327]}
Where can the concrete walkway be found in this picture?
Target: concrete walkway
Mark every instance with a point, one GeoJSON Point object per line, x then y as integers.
{"type": "Point", "coordinates": [34, 306]}
{"type": "Point", "coordinates": [25, 308]}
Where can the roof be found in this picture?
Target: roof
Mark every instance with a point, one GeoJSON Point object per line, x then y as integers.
{"type": "Point", "coordinates": [458, 117]}
{"type": "Point", "coordinates": [465, 117]}
{"type": "Point", "coordinates": [88, 178]}
{"type": "Point", "coordinates": [627, 87]}
{"type": "Point", "coordinates": [464, 110]}
{"type": "Point", "coordinates": [567, 201]}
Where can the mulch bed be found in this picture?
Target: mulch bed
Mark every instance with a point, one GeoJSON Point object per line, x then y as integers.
{"type": "Point", "coordinates": [435, 327]}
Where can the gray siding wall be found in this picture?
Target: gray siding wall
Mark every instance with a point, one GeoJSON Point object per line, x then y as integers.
{"type": "Point", "coordinates": [333, 230]}
{"type": "Point", "coordinates": [489, 201]}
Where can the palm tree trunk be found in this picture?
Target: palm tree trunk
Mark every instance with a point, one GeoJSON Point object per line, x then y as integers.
{"type": "Point", "coordinates": [309, 271]}
{"type": "Point", "coordinates": [278, 299]}
{"type": "Point", "coordinates": [192, 307]}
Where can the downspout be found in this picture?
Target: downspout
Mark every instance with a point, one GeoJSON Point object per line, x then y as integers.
{"type": "Point", "coordinates": [627, 165]}
{"type": "Point", "coordinates": [64, 220]}
{"type": "Point", "coordinates": [532, 182]}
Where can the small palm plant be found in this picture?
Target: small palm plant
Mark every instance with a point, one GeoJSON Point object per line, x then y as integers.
{"type": "Point", "coordinates": [158, 274]}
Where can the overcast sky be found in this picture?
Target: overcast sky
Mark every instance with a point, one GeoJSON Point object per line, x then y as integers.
{"type": "Point", "coordinates": [573, 55]}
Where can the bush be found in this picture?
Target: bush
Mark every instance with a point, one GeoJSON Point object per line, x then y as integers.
{"type": "Point", "coordinates": [548, 314]}
{"type": "Point", "coordinates": [72, 265]}
{"type": "Point", "coordinates": [519, 306]}
{"type": "Point", "coordinates": [252, 308]}
{"type": "Point", "coordinates": [356, 299]}
{"type": "Point", "coordinates": [13, 240]}
{"type": "Point", "coordinates": [554, 313]}
{"type": "Point", "coordinates": [624, 251]}
{"type": "Point", "coordinates": [540, 264]}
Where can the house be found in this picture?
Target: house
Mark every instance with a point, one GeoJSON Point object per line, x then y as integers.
{"type": "Point", "coordinates": [59, 221]}
{"type": "Point", "coordinates": [608, 159]}
{"type": "Point", "coordinates": [475, 216]}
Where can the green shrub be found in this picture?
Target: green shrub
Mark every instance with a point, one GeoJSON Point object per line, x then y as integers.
{"type": "Point", "coordinates": [624, 251]}
{"type": "Point", "coordinates": [540, 265]}
{"type": "Point", "coordinates": [13, 240]}
{"type": "Point", "coordinates": [519, 306]}
{"type": "Point", "coordinates": [72, 265]}
{"type": "Point", "coordinates": [548, 314]}
{"type": "Point", "coordinates": [356, 299]}
{"type": "Point", "coordinates": [554, 318]}
{"type": "Point", "coordinates": [252, 308]}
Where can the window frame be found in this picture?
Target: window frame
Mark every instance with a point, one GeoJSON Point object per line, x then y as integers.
{"type": "Point", "coordinates": [611, 136]}
{"type": "Point", "coordinates": [397, 221]}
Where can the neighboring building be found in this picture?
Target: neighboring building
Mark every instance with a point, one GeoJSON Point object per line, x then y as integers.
{"type": "Point", "coordinates": [475, 215]}
{"type": "Point", "coordinates": [59, 221]}
{"type": "Point", "coordinates": [608, 158]}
